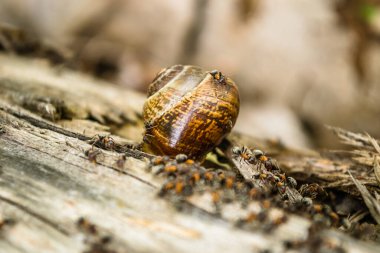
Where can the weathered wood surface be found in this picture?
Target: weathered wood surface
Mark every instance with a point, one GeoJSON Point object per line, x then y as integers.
{"type": "Point", "coordinates": [47, 183]}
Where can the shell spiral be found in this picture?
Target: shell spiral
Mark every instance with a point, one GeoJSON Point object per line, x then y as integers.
{"type": "Point", "coordinates": [189, 111]}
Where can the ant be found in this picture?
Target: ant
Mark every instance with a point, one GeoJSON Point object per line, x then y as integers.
{"type": "Point", "coordinates": [103, 141]}
{"type": "Point", "coordinates": [86, 226]}
{"type": "Point", "coordinates": [254, 157]}
{"type": "Point", "coordinates": [121, 161]}
{"type": "Point", "coordinates": [259, 157]}
{"type": "Point", "coordinates": [92, 154]}
{"type": "Point", "coordinates": [243, 153]}
{"type": "Point", "coordinates": [218, 76]}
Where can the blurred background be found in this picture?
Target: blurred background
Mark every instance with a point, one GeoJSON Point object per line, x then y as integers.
{"type": "Point", "coordinates": [299, 64]}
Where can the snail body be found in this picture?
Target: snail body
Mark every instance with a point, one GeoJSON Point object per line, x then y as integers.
{"type": "Point", "coordinates": [189, 111]}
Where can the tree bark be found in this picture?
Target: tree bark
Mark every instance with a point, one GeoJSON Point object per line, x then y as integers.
{"type": "Point", "coordinates": [57, 196]}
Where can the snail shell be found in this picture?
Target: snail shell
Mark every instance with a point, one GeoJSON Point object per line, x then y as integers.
{"type": "Point", "coordinates": [189, 111]}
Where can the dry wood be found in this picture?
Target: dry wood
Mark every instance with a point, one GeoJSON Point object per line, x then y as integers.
{"type": "Point", "coordinates": [54, 193]}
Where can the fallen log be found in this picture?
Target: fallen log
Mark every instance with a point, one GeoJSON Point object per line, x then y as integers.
{"type": "Point", "coordinates": [59, 192]}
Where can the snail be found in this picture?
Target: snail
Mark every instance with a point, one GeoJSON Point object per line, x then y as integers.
{"type": "Point", "coordinates": [189, 111]}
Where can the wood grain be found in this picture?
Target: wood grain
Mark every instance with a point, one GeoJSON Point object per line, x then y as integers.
{"type": "Point", "coordinates": [47, 184]}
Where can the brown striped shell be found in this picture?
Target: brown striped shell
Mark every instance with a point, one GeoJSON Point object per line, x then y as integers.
{"type": "Point", "coordinates": [189, 111]}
